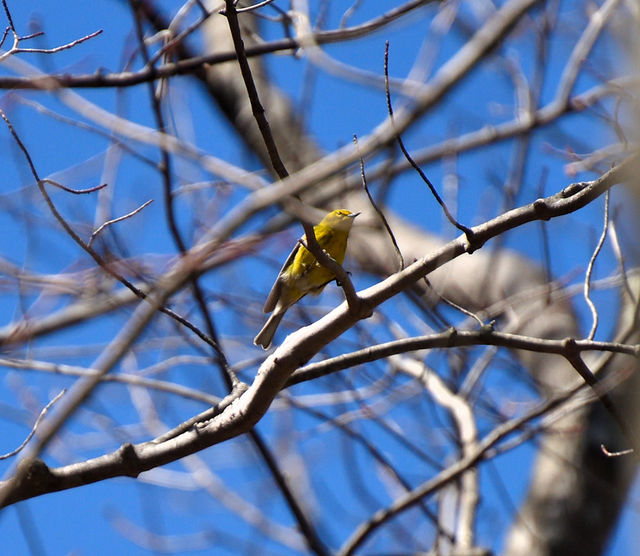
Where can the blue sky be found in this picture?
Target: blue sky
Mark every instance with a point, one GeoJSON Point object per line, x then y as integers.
{"type": "Point", "coordinates": [97, 519]}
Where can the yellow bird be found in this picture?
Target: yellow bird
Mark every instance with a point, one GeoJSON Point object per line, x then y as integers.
{"type": "Point", "coordinates": [302, 273]}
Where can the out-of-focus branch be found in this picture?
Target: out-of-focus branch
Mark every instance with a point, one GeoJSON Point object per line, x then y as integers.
{"type": "Point", "coordinates": [511, 274]}
{"type": "Point", "coordinates": [299, 347]}
{"type": "Point", "coordinates": [451, 473]}
{"type": "Point", "coordinates": [465, 422]}
{"type": "Point", "coordinates": [192, 64]}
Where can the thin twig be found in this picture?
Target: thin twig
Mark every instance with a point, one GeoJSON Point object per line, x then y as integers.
{"type": "Point", "coordinates": [8, 14]}
{"type": "Point", "coordinates": [75, 122]}
{"type": "Point", "coordinates": [252, 91]}
{"type": "Point", "coordinates": [362, 439]}
{"type": "Point", "coordinates": [467, 437]}
{"type": "Point", "coordinates": [5, 34]}
{"type": "Point", "coordinates": [615, 454]}
{"type": "Point", "coordinates": [114, 220]}
{"type": "Point", "coordinates": [58, 48]}
{"type": "Point", "coordinates": [94, 255]}
{"type": "Point", "coordinates": [460, 308]}
{"type": "Point", "coordinates": [74, 191]}
{"type": "Point", "coordinates": [573, 357]}
{"type": "Point", "coordinates": [180, 37]}
{"type": "Point", "coordinates": [451, 473]}
{"type": "Point", "coordinates": [194, 64]}
{"type": "Point", "coordinates": [592, 261]}
{"type": "Point", "coordinates": [376, 208]}
{"type": "Point", "coordinates": [220, 357]}
{"type": "Point", "coordinates": [44, 411]}
{"type": "Point", "coordinates": [32, 35]}
{"type": "Point", "coordinates": [467, 231]}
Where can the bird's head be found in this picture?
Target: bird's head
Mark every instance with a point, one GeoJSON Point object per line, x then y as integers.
{"type": "Point", "coordinates": [339, 219]}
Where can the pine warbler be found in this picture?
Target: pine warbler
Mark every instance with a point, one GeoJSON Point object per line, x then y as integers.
{"type": "Point", "coordinates": [302, 273]}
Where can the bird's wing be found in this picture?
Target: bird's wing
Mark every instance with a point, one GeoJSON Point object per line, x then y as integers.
{"type": "Point", "coordinates": [324, 236]}
{"type": "Point", "coordinates": [274, 294]}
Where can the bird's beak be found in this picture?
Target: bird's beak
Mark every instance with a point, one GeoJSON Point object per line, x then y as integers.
{"type": "Point", "coordinates": [354, 214]}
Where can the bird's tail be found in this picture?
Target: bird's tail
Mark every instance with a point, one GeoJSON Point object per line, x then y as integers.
{"type": "Point", "coordinates": [265, 336]}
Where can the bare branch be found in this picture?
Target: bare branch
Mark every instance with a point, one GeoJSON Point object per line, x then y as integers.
{"type": "Point", "coordinates": [114, 220]}
{"type": "Point", "coordinates": [592, 261]}
{"type": "Point", "coordinates": [44, 411]}
{"type": "Point", "coordinates": [383, 218]}
{"type": "Point", "coordinates": [406, 154]}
